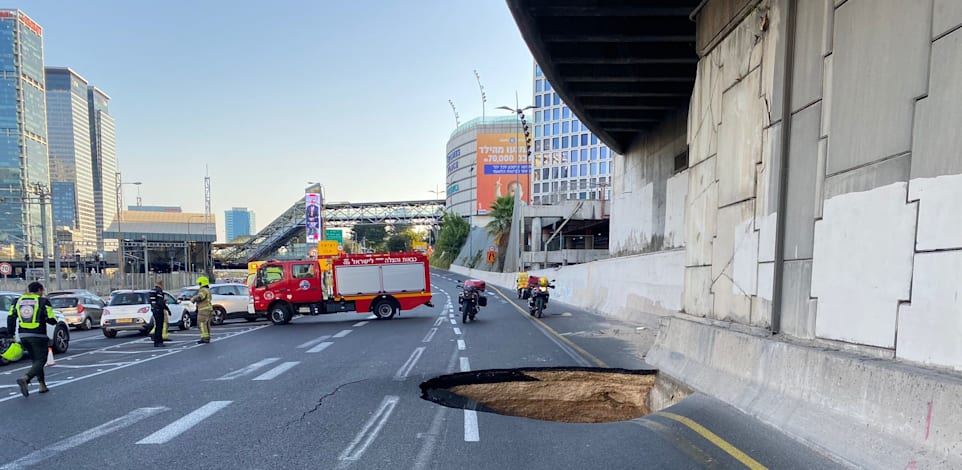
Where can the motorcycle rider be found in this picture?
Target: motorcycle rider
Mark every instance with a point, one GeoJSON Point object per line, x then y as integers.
{"type": "Point", "coordinates": [204, 308]}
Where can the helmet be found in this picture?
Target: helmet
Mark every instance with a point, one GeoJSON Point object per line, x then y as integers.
{"type": "Point", "coordinates": [203, 281]}
{"type": "Point", "coordinates": [543, 282]}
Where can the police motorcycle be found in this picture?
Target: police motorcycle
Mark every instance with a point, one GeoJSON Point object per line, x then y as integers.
{"type": "Point", "coordinates": [471, 298]}
{"type": "Point", "coordinates": [538, 297]}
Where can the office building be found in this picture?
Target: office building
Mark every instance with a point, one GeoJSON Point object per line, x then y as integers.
{"type": "Point", "coordinates": [24, 165]}
{"type": "Point", "coordinates": [239, 222]}
{"type": "Point", "coordinates": [71, 170]}
{"type": "Point", "coordinates": [569, 161]}
{"type": "Point", "coordinates": [103, 161]}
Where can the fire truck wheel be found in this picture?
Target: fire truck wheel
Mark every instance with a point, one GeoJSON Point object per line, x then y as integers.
{"type": "Point", "coordinates": [280, 314]}
{"type": "Point", "coordinates": [384, 309]}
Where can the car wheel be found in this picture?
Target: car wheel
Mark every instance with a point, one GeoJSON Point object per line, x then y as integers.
{"type": "Point", "coordinates": [110, 333]}
{"type": "Point", "coordinates": [88, 324]}
{"type": "Point", "coordinates": [280, 314]}
{"type": "Point", "coordinates": [61, 339]}
{"type": "Point", "coordinates": [384, 309]}
{"type": "Point", "coordinates": [217, 316]}
{"type": "Point", "coordinates": [185, 321]}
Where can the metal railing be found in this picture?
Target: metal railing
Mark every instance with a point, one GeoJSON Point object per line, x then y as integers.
{"type": "Point", "coordinates": [103, 284]}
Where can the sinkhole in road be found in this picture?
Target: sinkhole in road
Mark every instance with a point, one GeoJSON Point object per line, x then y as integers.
{"type": "Point", "coordinates": [564, 394]}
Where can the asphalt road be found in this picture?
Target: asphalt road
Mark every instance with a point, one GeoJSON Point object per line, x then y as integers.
{"type": "Point", "coordinates": [341, 391]}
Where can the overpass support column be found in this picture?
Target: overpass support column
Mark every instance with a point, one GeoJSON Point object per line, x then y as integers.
{"type": "Point", "coordinates": [536, 240]}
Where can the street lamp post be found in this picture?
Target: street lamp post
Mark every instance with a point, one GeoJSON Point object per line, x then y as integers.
{"type": "Point", "coordinates": [437, 195]}
{"type": "Point", "coordinates": [121, 255]}
{"type": "Point", "coordinates": [189, 219]}
{"type": "Point", "coordinates": [523, 125]}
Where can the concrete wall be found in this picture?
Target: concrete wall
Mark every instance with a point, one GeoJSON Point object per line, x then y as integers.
{"type": "Point", "coordinates": [627, 287]}
{"type": "Point", "coordinates": [872, 246]}
{"type": "Point", "coordinates": [646, 208]}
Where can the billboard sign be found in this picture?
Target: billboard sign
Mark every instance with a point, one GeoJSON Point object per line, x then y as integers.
{"type": "Point", "coordinates": [312, 216]}
{"type": "Point", "coordinates": [503, 169]}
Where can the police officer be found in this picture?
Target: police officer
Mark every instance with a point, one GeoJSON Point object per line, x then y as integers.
{"type": "Point", "coordinates": [32, 314]}
{"type": "Point", "coordinates": [204, 308]}
{"type": "Point", "coordinates": [160, 310]}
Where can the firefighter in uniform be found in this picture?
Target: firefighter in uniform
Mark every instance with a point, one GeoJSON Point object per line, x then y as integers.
{"type": "Point", "coordinates": [204, 308]}
{"type": "Point", "coordinates": [32, 314]}
{"type": "Point", "coordinates": [160, 310]}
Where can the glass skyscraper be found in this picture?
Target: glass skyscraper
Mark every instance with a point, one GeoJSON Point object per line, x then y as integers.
{"type": "Point", "coordinates": [239, 222]}
{"type": "Point", "coordinates": [23, 134]}
{"type": "Point", "coordinates": [71, 170]}
{"type": "Point", "coordinates": [103, 160]}
{"type": "Point", "coordinates": [569, 161]}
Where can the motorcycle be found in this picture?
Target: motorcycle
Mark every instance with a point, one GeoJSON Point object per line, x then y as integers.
{"type": "Point", "coordinates": [471, 299]}
{"type": "Point", "coordinates": [538, 299]}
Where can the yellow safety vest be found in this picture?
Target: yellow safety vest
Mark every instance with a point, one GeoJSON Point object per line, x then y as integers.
{"type": "Point", "coordinates": [30, 319]}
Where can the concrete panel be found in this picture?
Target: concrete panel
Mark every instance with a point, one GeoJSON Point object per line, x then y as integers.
{"type": "Point", "coordinates": [947, 15]}
{"type": "Point", "coordinates": [820, 177]}
{"type": "Point", "coordinates": [677, 192]}
{"type": "Point", "coordinates": [862, 266]}
{"type": "Point", "coordinates": [732, 301]}
{"type": "Point", "coordinates": [704, 111]}
{"type": "Point", "coordinates": [809, 47]}
{"type": "Point", "coordinates": [802, 165]}
{"type": "Point", "coordinates": [766, 179]}
{"type": "Point", "coordinates": [773, 59]}
{"type": "Point", "coordinates": [937, 147]}
{"type": "Point", "coordinates": [740, 141]}
{"type": "Point", "coordinates": [766, 280]}
{"type": "Point", "coordinates": [869, 177]}
{"type": "Point", "coordinates": [930, 327]}
{"type": "Point", "coordinates": [798, 309]}
{"type": "Point", "coordinates": [826, 96]}
{"type": "Point", "coordinates": [870, 413]}
{"type": "Point", "coordinates": [737, 51]}
{"type": "Point", "coordinates": [940, 217]}
{"type": "Point", "coordinates": [766, 237]}
{"type": "Point", "coordinates": [745, 261]}
{"type": "Point", "coordinates": [880, 67]}
{"type": "Point", "coordinates": [701, 213]}
{"type": "Point", "coordinates": [829, 29]}
{"type": "Point", "coordinates": [631, 221]}
{"type": "Point", "coordinates": [697, 295]}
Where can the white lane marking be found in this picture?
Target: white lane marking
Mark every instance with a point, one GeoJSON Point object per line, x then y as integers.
{"type": "Point", "coordinates": [313, 341]}
{"type": "Point", "coordinates": [359, 445]}
{"type": "Point", "coordinates": [453, 322]}
{"type": "Point", "coordinates": [176, 428]}
{"type": "Point", "coordinates": [360, 323]}
{"type": "Point", "coordinates": [461, 345]}
{"type": "Point", "coordinates": [251, 368]}
{"type": "Point", "coordinates": [277, 370]}
{"type": "Point", "coordinates": [471, 433]}
{"type": "Point", "coordinates": [429, 336]}
{"type": "Point", "coordinates": [319, 347]}
{"type": "Point", "coordinates": [77, 440]}
{"type": "Point", "coordinates": [423, 459]}
{"type": "Point", "coordinates": [111, 364]}
{"type": "Point", "coordinates": [457, 331]}
{"type": "Point", "coordinates": [405, 369]}
{"type": "Point", "coordinates": [465, 365]}
{"type": "Point", "coordinates": [439, 321]}
{"type": "Point", "coordinates": [342, 333]}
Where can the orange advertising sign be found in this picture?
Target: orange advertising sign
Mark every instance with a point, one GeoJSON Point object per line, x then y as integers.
{"type": "Point", "coordinates": [503, 169]}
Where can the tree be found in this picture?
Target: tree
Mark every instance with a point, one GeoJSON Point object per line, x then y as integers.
{"type": "Point", "coordinates": [502, 214]}
{"type": "Point", "coordinates": [371, 235]}
{"type": "Point", "coordinates": [454, 232]}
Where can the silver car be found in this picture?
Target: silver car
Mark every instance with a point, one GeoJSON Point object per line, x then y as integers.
{"type": "Point", "coordinates": [81, 311]}
{"type": "Point", "coordinates": [229, 301]}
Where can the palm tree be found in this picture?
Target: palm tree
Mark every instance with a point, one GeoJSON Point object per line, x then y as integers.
{"type": "Point", "coordinates": [502, 214]}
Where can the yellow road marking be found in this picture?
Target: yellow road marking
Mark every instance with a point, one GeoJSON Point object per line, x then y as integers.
{"type": "Point", "coordinates": [586, 354]}
{"type": "Point", "coordinates": [714, 439]}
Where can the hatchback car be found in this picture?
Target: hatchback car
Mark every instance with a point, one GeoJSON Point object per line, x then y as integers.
{"type": "Point", "coordinates": [129, 310]}
{"type": "Point", "coordinates": [58, 293]}
{"type": "Point", "coordinates": [81, 311]}
{"type": "Point", "coordinates": [59, 334]}
{"type": "Point", "coordinates": [229, 301]}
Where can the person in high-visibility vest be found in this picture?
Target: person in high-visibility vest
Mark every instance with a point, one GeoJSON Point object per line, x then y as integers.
{"type": "Point", "coordinates": [204, 308]}
{"type": "Point", "coordinates": [32, 314]}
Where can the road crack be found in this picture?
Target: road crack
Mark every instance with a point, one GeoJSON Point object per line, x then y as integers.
{"type": "Point", "coordinates": [320, 402]}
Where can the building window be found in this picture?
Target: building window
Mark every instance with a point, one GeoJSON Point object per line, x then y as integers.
{"type": "Point", "coordinates": [594, 139]}
{"type": "Point", "coordinates": [538, 86]}
{"type": "Point", "coordinates": [555, 114]}
{"type": "Point", "coordinates": [594, 153]}
{"type": "Point", "coordinates": [603, 168]}
{"type": "Point", "coordinates": [584, 155]}
{"type": "Point", "coordinates": [604, 153]}
{"type": "Point", "coordinates": [537, 146]}
{"type": "Point", "coordinates": [555, 143]}
{"type": "Point", "coordinates": [564, 174]}
{"type": "Point", "coordinates": [564, 157]}
{"type": "Point", "coordinates": [544, 173]}
{"type": "Point", "coordinates": [557, 99]}
{"type": "Point", "coordinates": [537, 101]}
{"type": "Point", "coordinates": [577, 124]}
{"type": "Point", "coordinates": [547, 85]}
{"type": "Point", "coordinates": [556, 129]}
{"type": "Point", "coordinates": [564, 127]}
{"type": "Point", "coordinates": [584, 140]}
{"type": "Point", "coordinates": [565, 113]}
{"type": "Point", "coordinates": [537, 116]}
{"type": "Point", "coordinates": [537, 132]}
{"type": "Point", "coordinates": [554, 174]}
{"type": "Point", "coordinates": [537, 70]}
{"type": "Point", "coordinates": [584, 169]}
{"type": "Point", "coordinates": [546, 144]}
{"type": "Point", "coordinates": [594, 169]}
{"type": "Point", "coordinates": [564, 142]}
{"type": "Point", "coordinates": [574, 170]}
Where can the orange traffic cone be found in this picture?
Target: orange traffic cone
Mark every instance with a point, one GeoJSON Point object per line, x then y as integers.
{"type": "Point", "coordinates": [50, 361]}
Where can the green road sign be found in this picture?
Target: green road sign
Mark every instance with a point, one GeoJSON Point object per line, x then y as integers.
{"type": "Point", "coordinates": [334, 234]}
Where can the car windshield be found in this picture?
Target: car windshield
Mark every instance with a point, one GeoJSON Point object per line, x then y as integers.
{"type": "Point", "coordinates": [128, 298]}
{"type": "Point", "coordinates": [63, 302]}
{"type": "Point", "coordinates": [7, 302]}
{"type": "Point", "coordinates": [187, 293]}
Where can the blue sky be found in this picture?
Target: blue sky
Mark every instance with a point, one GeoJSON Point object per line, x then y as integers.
{"type": "Point", "coordinates": [271, 95]}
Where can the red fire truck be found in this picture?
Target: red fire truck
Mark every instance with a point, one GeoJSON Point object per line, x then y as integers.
{"type": "Point", "coordinates": [381, 283]}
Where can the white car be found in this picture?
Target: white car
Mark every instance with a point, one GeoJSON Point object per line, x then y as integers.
{"type": "Point", "coordinates": [229, 301]}
{"type": "Point", "coordinates": [129, 310]}
{"type": "Point", "coordinates": [59, 334]}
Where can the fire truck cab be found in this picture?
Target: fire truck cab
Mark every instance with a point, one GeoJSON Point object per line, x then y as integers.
{"type": "Point", "coordinates": [381, 283]}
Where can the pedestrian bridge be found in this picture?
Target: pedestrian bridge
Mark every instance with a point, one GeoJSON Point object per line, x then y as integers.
{"type": "Point", "coordinates": [290, 225]}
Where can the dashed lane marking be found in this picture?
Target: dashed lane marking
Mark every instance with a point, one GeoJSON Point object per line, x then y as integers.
{"type": "Point", "coordinates": [342, 333]}
{"type": "Point", "coordinates": [465, 364]}
{"type": "Point", "coordinates": [319, 348]}
{"type": "Point", "coordinates": [178, 427]}
{"type": "Point", "coordinates": [273, 373]}
{"type": "Point", "coordinates": [428, 337]}
{"type": "Point", "coordinates": [313, 342]}
{"type": "Point", "coordinates": [457, 331]}
{"type": "Point", "coordinates": [249, 369]}
{"type": "Point", "coordinates": [405, 369]}
{"type": "Point", "coordinates": [471, 433]}
{"type": "Point", "coordinates": [369, 432]}
{"type": "Point", "coordinates": [461, 345]}
{"type": "Point", "coordinates": [361, 323]}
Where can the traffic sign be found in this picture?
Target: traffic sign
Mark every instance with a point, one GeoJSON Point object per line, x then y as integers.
{"type": "Point", "coordinates": [334, 234]}
{"type": "Point", "coordinates": [327, 248]}
{"type": "Point", "coordinates": [6, 269]}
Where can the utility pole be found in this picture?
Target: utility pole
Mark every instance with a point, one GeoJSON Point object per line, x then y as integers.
{"type": "Point", "coordinates": [43, 193]}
